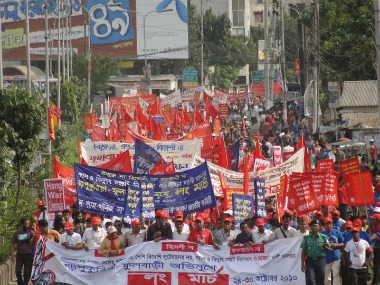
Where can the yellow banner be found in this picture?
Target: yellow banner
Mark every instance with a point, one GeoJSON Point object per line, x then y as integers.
{"type": "Point", "coordinates": [13, 38]}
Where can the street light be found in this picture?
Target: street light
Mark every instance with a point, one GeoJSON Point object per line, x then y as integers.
{"type": "Point", "coordinates": [109, 4]}
{"type": "Point", "coordinates": [144, 16]}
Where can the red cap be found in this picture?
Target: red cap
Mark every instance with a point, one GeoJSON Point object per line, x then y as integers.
{"type": "Point", "coordinates": [376, 217]}
{"type": "Point", "coordinates": [335, 212]}
{"type": "Point", "coordinates": [357, 223]}
{"type": "Point", "coordinates": [95, 221]}
{"type": "Point", "coordinates": [318, 213]}
{"type": "Point", "coordinates": [260, 222]}
{"type": "Point", "coordinates": [288, 212]}
{"type": "Point", "coordinates": [40, 203]}
{"type": "Point", "coordinates": [198, 218]}
{"type": "Point", "coordinates": [349, 225]}
{"type": "Point", "coordinates": [178, 213]}
{"type": "Point", "coordinates": [227, 220]}
{"type": "Point", "coordinates": [69, 225]}
{"type": "Point", "coordinates": [160, 214]}
{"type": "Point", "coordinates": [245, 148]}
{"type": "Point", "coordinates": [166, 214]}
{"type": "Point", "coordinates": [207, 220]}
{"type": "Point", "coordinates": [356, 229]}
{"type": "Point", "coordinates": [135, 222]}
{"type": "Point", "coordinates": [327, 220]}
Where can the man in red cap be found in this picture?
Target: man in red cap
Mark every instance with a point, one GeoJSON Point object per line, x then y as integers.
{"type": "Point", "coordinates": [357, 255]}
{"type": "Point", "coordinates": [41, 213]}
{"type": "Point", "coordinates": [224, 236]}
{"type": "Point", "coordinates": [178, 214]}
{"type": "Point", "coordinates": [261, 235]}
{"type": "Point", "coordinates": [70, 239]}
{"type": "Point", "coordinates": [285, 230]}
{"type": "Point", "coordinates": [337, 221]}
{"type": "Point", "coordinates": [159, 230]}
{"type": "Point", "coordinates": [179, 233]}
{"type": "Point", "coordinates": [199, 234]}
{"type": "Point", "coordinates": [136, 235]}
{"type": "Point", "coordinates": [335, 239]}
{"type": "Point", "coordinates": [93, 237]}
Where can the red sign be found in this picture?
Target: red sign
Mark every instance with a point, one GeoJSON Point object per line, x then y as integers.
{"type": "Point", "coordinates": [301, 194]}
{"type": "Point", "coordinates": [359, 189]}
{"type": "Point", "coordinates": [253, 248]}
{"type": "Point", "coordinates": [277, 155]}
{"type": "Point", "coordinates": [149, 278]}
{"type": "Point", "coordinates": [188, 278]}
{"type": "Point", "coordinates": [54, 195]}
{"type": "Point", "coordinates": [223, 111]}
{"type": "Point", "coordinates": [349, 166]}
{"type": "Point", "coordinates": [179, 246]}
{"type": "Point", "coordinates": [287, 155]}
{"type": "Point", "coordinates": [325, 165]}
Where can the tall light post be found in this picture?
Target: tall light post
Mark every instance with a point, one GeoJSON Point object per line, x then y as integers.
{"type": "Point", "coordinates": [89, 64]}
{"type": "Point", "coordinates": [47, 91]}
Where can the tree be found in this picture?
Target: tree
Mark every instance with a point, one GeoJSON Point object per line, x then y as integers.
{"type": "Point", "coordinates": [22, 120]}
{"type": "Point", "coordinates": [102, 68]}
{"type": "Point", "coordinates": [347, 47]}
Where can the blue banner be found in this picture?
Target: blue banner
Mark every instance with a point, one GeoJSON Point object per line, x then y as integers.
{"type": "Point", "coordinates": [146, 157]}
{"type": "Point", "coordinates": [116, 193]}
{"type": "Point", "coordinates": [110, 24]}
{"type": "Point", "coordinates": [243, 206]}
{"type": "Point", "coordinates": [190, 191]}
{"type": "Point", "coordinates": [235, 148]}
{"type": "Point", "coordinates": [101, 191]}
{"type": "Point", "coordinates": [260, 197]}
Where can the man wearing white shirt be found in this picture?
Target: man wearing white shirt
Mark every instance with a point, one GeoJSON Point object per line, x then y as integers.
{"type": "Point", "coordinates": [179, 233]}
{"type": "Point", "coordinates": [93, 237]}
{"type": "Point", "coordinates": [261, 235]}
{"type": "Point", "coordinates": [136, 235]}
{"type": "Point", "coordinates": [70, 239]}
{"type": "Point", "coordinates": [288, 148]}
{"type": "Point", "coordinates": [179, 215]}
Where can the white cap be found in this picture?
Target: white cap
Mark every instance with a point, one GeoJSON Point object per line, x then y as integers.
{"type": "Point", "coordinates": [229, 211]}
{"type": "Point", "coordinates": [371, 140]}
{"type": "Point", "coordinates": [111, 229]}
{"type": "Point", "coordinates": [377, 209]}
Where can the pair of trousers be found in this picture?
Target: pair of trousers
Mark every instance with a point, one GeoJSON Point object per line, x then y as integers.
{"type": "Point", "coordinates": [357, 276]}
{"type": "Point", "coordinates": [315, 271]}
{"type": "Point", "coordinates": [332, 273]}
{"type": "Point", "coordinates": [23, 260]}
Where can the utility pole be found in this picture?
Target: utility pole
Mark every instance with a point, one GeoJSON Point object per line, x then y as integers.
{"type": "Point", "coordinates": [202, 85]}
{"type": "Point", "coordinates": [47, 91]}
{"type": "Point", "coordinates": [273, 49]}
{"type": "Point", "coordinates": [285, 114]}
{"type": "Point", "coordinates": [377, 36]}
{"type": "Point", "coordinates": [316, 67]}
{"type": "Point", "coordinates": [266, 55]}
{"type": "Point", "coordinates": [59, 58]}
{"type": "Point", "coordinates": [28, 76]}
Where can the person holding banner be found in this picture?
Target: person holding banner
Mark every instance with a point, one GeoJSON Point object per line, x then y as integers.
{"type": "Point", "coordinates": [199, 234]}
{"type": "Point", "coordinates": [46, 232]}
{"type": "Point", "coordinates": [285, 230]}
{"type": "Point", "coordinates": [261, 235]}
{"type": "Point", "coordinates": [225, 236]}
{"type": "Point", "coordinates": [159, 230]}
{"type": "Point", "coordinates": [70, 239]}
{"type": "Point", "coordinates": [112, 245]}
{"type": "Point", "coordinates": [136, 235]}
{"type": "Point", "coordinates": [245, 237]}
{"type": "Point", "coordinates": [313, 257]}
{"type": "Point", "coordinates": [93, 237]}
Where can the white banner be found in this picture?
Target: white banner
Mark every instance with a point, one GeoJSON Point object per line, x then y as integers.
{"type": "Point", "coordinates": [271, 175]}
{"type": "Point", "coordinates": [172, 263]}
{"type": "Point", "coordinates": [261, 164]}
{"type": "Point", "coordinates": [181, 152]}
{"type": "Point", "coordinates": [173, 99]}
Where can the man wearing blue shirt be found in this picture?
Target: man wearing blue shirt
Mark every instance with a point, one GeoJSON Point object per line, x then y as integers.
{"type": "Point", "coordinates": [337, 221]}
{"type": "Point", "coordinates": [376, 248]}
{"type": "Point", "coordinates": [335, 239]}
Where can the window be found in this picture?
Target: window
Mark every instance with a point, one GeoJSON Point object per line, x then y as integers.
{"type": "Point", "coordinates": [238, 9]}
{"type": "Point", "coordinates": [259, 17]}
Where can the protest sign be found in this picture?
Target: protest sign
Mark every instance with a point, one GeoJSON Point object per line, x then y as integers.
{"type": "Point", "coordinates": [260, 197]}
{"type": "Point", "coordinates": [68, 179]}
{"type": "Point", "coordinates": [325, 165]}
{"type": "Point", "coordinates": [277, 158]}
{"type": "Point", "coordinates": [242, 206]}
{"type": "Point", "coordinates": [172, 263]}
{"type": "Point", "coordinates": [54, 193]}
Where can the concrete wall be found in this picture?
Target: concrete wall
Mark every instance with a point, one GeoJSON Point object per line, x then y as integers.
{"type": "Point", "coordinates": [7, 273]}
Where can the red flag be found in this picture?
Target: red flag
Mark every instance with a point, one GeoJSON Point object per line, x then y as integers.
{"type": "Point", "coordinates": [198, 117]}
{"type": "Point", "coordinates": [97, 134]}
{"type": "Point", "coordinates": [88, 121]}
{"type": "Point", "coordinates": [301, 195]}
{"type": "Point", "coordinates": [258, 153]}
{"type": "Point", "coordinates": [359, 189]}
{"type": "Point", "coordinates": [301, 144]}
{"type": "Point", "coordinates": [168, 168]}
{"type": "Point", "coordinates": [281, 196]}
{"type": "Point", "coordinates": [211, 111]}
{"type": "Point", "coordinates": [68, 176]}
{"type": "Point", "coordinates": [139, 115]}
{"type": "Point", "coordinates": [248, 166]}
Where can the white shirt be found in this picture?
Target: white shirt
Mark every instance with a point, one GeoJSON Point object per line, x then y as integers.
{"type": "Point", "coordinates": [74, 239]}
{"type": "Point", "coordinates": [299, 234]}
{"type": "Point", "coordinates": [267, 236]}
{"type": "Point", "coordinates": [357, 251]}
{"type": "Point", "coordinates": [185, 229]}
{"type": "Point", "coordinates": [183, 236]}
{"type": "Point", "coordinates": [92, 238]}
{"type": "Point", "coordinates": [277, 233]}
{"type": "Point", "coordinates": [132, 239]}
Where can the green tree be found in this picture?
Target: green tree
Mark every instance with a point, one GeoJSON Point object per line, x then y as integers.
{"type": "Point", "coordinates": [23, 118]}
{"type": "Point", "coordinates": [102, 68]}
{"type": "Point", "coordinates": [347, 47]}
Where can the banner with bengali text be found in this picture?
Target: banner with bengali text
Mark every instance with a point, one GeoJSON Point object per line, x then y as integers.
{"type": "Point", "coordinates": [172, 263]}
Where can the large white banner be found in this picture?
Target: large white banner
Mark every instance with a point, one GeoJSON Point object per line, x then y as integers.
{"type": "Point", "coordinates": [181, 152]}
{"type": "Point", "coordinates": [271, 175]}
{"type": "Point", "coordinates": [172, 263]}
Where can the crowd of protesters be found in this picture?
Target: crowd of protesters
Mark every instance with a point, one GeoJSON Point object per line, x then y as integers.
{"type": "Point", "coordinates": [338, 242]}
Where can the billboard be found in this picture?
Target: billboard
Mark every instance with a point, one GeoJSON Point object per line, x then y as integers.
{"type": "Point", "coordinates": [131, 30]}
